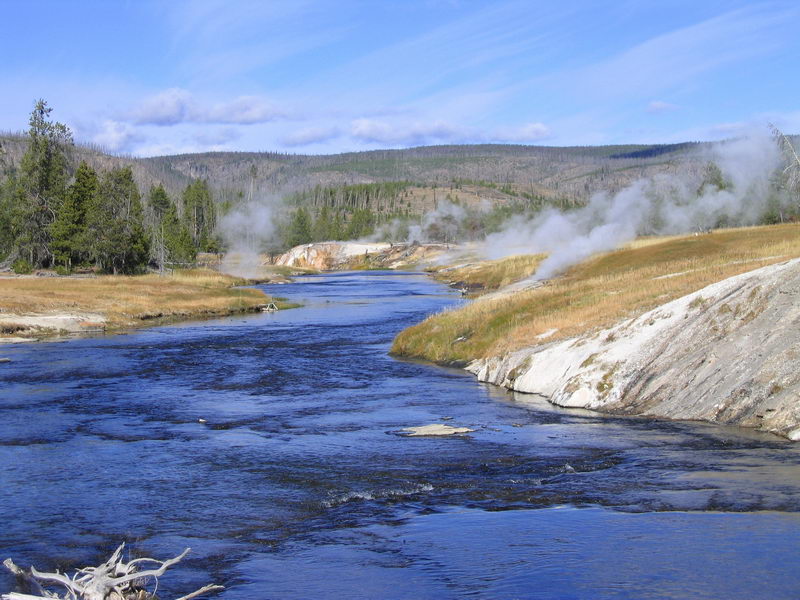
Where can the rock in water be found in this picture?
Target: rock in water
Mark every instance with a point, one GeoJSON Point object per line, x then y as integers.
{"type": "Point", "coordinates": [435, 429]}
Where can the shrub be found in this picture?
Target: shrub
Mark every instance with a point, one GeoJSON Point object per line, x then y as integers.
{"type": "Point", "coordinates": [22, 266]}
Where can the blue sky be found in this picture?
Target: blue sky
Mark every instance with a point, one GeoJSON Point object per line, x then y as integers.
{"type": "Point", "coordinates": [150, 78]}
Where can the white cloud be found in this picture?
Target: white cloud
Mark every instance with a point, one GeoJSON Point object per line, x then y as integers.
{"type": "Point", "coordinates": [244, 110]}
{"type": "Point", "coordinates": [382, 132]}
{"type": "Point", "coordinates": [169, 107]}
{"type": "Point", "coordinates": [527, 133]}
{"type": "Point", "coordinates": [310, 135]}
{"type": "Point", "coordinates": [216, 137]}
{"type": "Point", "coordinates": [442, 132]}
{"type": "Point", "coordinates": [175, 106]}
{"type": "Point", "coordinates": [659, 106]}
{"type": "Point", "coordinates": [115, 136]}
{"type": "Point", "coordinates": [676, 58]}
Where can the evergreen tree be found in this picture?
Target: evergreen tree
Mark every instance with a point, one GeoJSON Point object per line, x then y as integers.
{"type": "Point", "coordinates": [713, 180]}
{"type": "Point", "coordinates": [337, 227]}
{"type": "Point", "coordinates": [158, 202]}
{"type": "Point", "coordinates": [68, 231]}
{"type": "Point", "coordinates": [12, 199]}
{"type": "Point", "coordinates": [115, 232]}
{"type": "Point", "coordinates": [361, 224]}
{"type": "Point", "coordinates": [321, 232]}
{"type": "Point", "coordinates": [199, 213]}
{"type": "Point", "coordinates": [43, 178]}
{"type": "Point", "coordinates": [299, 230]}
{"type": "Point", "coordinates": [178, 244]}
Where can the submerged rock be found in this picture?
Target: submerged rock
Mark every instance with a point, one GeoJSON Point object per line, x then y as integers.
{"type": "Point", "coordinates": [727, 353]}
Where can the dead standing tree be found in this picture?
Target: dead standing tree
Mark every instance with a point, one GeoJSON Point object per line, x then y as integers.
{"type": "Point", "coordinates": [792, 170]}
{"type": "Point", "coordinates": [115, 579]}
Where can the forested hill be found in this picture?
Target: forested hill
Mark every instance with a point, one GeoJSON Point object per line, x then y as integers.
{"type": "Point", "coordinates": [75, 206]}
{"type": "Point", "coordinates": [567, 173]}
{"type": "Point", "coordinates": [571, 172]}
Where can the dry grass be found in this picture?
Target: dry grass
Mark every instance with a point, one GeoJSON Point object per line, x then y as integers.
{"type": "Point", "coordinates": [492, 274]}
{"type": "Point", "coordinates": [597, 293]}
{"type": "Point", "coordinates": [129, 301]}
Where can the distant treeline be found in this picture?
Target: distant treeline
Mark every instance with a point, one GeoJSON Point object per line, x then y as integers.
{"type": "Point", "coordinates": [51, 217]}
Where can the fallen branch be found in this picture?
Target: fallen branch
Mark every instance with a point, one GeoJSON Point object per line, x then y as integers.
{"type": "Point", "coordinates": [115, 579]}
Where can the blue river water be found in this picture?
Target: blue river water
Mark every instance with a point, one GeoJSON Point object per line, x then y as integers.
{"type": "Point", "coordinates": [269, 444]}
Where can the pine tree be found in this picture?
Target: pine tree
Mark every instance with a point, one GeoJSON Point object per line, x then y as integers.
{"type": "Point", "coordinates": [115, 232]}
{"type": "Point", "coordinates": [12, 199]}
{"type": "Point", "coordinates": [199, 213]}
{"type": "Point", "coordinates": [68, 231]}
{"type": "Point", "coordinates": [321, 232]}
{"type": "Point", "coordinates": [361, 224]}
{"type": "Point", "coordinates": [43, 177]}
{"type": "Point", "coordinates": [299, 230]}
{"type": "Point", "coordinates": [178, 243]}
{"type": "Point", "coordinates": [337, 227]}
{"type": "Point", "coordinates": [158, 202]}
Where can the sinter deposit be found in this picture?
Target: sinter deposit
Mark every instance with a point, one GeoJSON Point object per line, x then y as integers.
{"type": "Point", "coordinates": [328, 256]}
{"type": "Point", "coordinates": [727, 353]}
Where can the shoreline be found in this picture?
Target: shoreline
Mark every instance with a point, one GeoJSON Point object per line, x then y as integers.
{"type": "Point", "coordinates": [690, 328]}
{"type": "Point", "coordinates": [53, 308]}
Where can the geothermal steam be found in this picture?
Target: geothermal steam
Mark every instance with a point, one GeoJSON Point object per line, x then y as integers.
{"type": "Point", "coordinates": [246, 230]}
{"type": "Point", "coordinates": [663, 205]}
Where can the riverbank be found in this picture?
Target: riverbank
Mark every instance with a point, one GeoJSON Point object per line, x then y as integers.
{"type": "Point", "coordinates": [33, 308]}
{"type": "Point", "coordinates": [503, 335]}
{"type": "Point", "coordinates": [359, 256]}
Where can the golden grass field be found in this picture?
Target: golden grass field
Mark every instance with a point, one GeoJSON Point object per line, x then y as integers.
{"type": "Point", "coordinates": [491, 274]}
{"type": "Point", "coordinates": [131, 300]}
{"type": "Point", "coordinates": [594, 294]}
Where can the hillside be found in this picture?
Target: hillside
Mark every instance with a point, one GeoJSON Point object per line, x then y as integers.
{"type": "Point", "coordinates": [497, 173]}
{"type": "Point", "coordinates": [726, 353]}
{"type": "Point", "coordinates": [594, 294]}
{"type": "Point", "coordinates": [685, 327]}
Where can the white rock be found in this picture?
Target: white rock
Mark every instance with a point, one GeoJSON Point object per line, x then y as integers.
{"type": "Point", "coordinates": [436, 429]}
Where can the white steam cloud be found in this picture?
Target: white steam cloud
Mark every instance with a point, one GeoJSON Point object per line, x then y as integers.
{"type": "Point", "coordinates": [246, 231]}
{"type": "Point", "coordinates": [667, 204]}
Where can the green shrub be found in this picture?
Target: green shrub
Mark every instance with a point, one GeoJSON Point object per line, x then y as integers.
{"type": "Point", "coordinates": [22, 266]}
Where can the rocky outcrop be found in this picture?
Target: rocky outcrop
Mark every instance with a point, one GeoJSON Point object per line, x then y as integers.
{"type": "Point", "coordinates": [729, 353]}
{"type": "Point", "coordinates": [330, 256]}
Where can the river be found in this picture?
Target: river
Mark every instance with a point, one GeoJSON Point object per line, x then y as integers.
{"type": "Point", "coordinates": [269, 444]}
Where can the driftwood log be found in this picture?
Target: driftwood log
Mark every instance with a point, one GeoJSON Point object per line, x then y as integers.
{"type": "Point", "coordinates": [115, 579]}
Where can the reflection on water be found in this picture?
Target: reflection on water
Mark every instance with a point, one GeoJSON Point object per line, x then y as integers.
{"type": "Point", "coordinates": [295, 486]}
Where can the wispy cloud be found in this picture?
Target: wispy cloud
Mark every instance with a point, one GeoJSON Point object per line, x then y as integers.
{"type": "Point", "coordinates": [310, 135]}
{"type": "Point", "coordinates": [673, 59]}
{"type": "Point", "coordinates": [115, 136]}
{"type": "Point", "coordinates": [218, 40]}
{"type": "Point", "coordinates": [441, 132]}
{"type": "Point", "coordinates": [524, 134]}
{"type": "Point", "coordinates": [658, 106]}
{"type": "Point", "coordinates": [216, 137]}
{"type": "Point", "coordinates": [175, 106]}
{"type": "Point", "coordinates": [383, 132]}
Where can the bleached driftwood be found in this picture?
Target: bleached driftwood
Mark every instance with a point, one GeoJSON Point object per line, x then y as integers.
{"type": "Point", "coordinates": [115, 579]}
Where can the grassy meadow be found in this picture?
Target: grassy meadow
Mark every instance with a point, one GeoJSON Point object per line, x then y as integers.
{"type": "Point", "coordinates": [591, 295]}
{"type": "Point", "coordinates": [491, 274]}
{"type": "Point", "coordinates": [127, 301]}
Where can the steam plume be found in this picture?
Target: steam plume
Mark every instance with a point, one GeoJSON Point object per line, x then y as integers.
{"type": "Point", "coordinates": [247, 230]}
{"type": "Point", "coordinates": [662, 205]}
